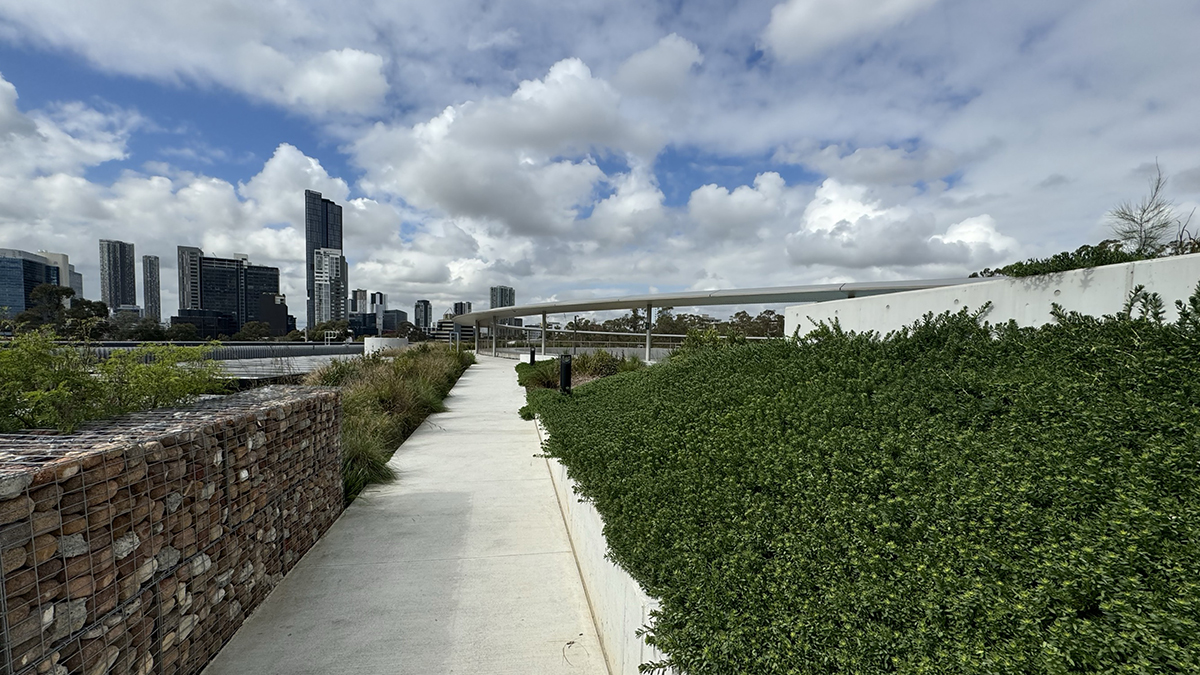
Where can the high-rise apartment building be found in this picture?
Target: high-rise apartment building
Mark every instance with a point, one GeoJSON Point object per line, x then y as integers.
{"type": "Point", "coordinates": [503, 296]}
{"type": "Point", "coordinates": [118, 277]}
{"type": "Point", "coordinates": [151, 308]}
{"type": "Point", "coordinates": [323, 232]}
{"type": "Point", "coordinates": [462, 308]}
{"type": "Point", "coordinates": [358, 300]}
{"type": "Point", "coordinates": [20, 273]}
{"type": "Point", "coordinates": [189, 276]}
{"type": "Point", "coordinates": [67, 276]}
{"type": "Point", "coordinates": [378, 302]}
{"type": "Point", "coordinates": [329, 286]}
{"type": "Point", "coordinates": [423, 315]}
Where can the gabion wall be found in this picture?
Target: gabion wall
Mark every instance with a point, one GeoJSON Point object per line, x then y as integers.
{"type": "Point", "coordinates": [141, 544]}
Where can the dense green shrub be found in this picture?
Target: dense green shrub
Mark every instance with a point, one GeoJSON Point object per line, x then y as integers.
{"type": "Point", "coordinates": [384, 399]}
{"type": "Point", "coordinates": [47, 385]}
{"type": "Point", "coordinates": [951, 498]}
{"type": "Point", "coordinates": [1108, 252]}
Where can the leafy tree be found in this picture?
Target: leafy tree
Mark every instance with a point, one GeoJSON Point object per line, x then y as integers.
{"type": "Point", "coordinates": [87, 320]}
{"type": "Point", "coordinates": [183, 332]}
{"type": "Point", "coordinates": [254, 330]}
{"type": "Point", "coordinates": [341, 328]}
{"type": "Point", "coordinates": [294, 336]}
{"type": "Point", "coordinates": [46, 306]}
{"type": "Point", "coordinates": [147, 330]}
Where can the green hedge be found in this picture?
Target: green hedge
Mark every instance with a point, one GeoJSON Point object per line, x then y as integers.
{"type": "Point", "coordinates": [600, 363]}
{"type": "Point", "coordinates": [953, 498]}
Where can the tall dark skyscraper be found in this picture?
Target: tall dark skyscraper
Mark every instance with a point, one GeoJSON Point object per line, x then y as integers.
{"type": "Point", "coordinates": [150, 288]}
{"type": "Point", "coordinates": [118, 277]}
{"type": "Point", "coordinates": [189, 277]}
{"type": "Point", "coordinates": [323, 230]}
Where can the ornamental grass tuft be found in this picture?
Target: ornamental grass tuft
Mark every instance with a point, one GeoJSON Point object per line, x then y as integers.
{"type": "Point", "coordinates": [385, 397]}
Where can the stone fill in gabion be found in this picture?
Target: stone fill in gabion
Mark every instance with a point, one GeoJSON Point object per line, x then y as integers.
{"type": "Point", "coordinates": [139, 545]}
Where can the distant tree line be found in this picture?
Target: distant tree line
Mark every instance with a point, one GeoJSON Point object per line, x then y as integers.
{"type": "Point", "coordinates": [768, 323]}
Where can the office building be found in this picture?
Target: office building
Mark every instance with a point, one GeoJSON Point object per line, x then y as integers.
{"type": "Point", "coordinates": [358, 300]}
{"type": "Point", "coordinates": [223, 287]}
{"type": "Point", "coordinates": [208, 323]}
{"type": "Point", "coordinates": [462, 308]}
{"type": "Point", "coordinates": [423, 315]}
{"type": "Point", "coordinates": [329, 286]}
{"type": "Point", "coordinates": [261, 281]}
{"type": "Point", "coordinates": [118, 284]}
{"type": "Point", "coordinates": [20, 273]}
{"type": "Point", "coordinates": [272, 310]}
{"type": "Point", "coordinates": [364, 323]}
{"type": "Point", "coordinates": [189, 277]}
{"type": "Point", "coordinates": [231, 286]}
{"type": "Point", "coordinates": [379, 302]}
{"type": "Point", "coordinates": [67, 276]}
{"type": "Point", "coordinates": [448, 331]}
{"type": "Point", "coordinates": [150, 288]}
{"type": "Point", "coordinates": [503, 296]}
{"type": "Point", "coordinates": [393, 318]}
{"type": "Point", "coordinates": [323, 232]}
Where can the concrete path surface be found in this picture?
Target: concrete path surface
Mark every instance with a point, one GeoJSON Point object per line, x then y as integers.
{"type": "Point", "coordinates": [462, 566]}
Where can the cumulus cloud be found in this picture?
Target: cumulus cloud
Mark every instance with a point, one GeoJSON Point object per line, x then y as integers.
{"type": "Point", "coordinates": [801, 29]}
{"type": "Point", "coordinates": [523, 161]}
{"type": "Point", "coordinates": [660, 71]}
{"type": "Point", "coordinates": [845, 226]}
{"type": "Point", "coordinates": [277, 52]}
{"type": "Point", "coordinates": [741, 214]}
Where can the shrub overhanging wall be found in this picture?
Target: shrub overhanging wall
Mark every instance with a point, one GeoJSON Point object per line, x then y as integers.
{"type": "Point", "coordinates": [953, 498]}
{"type": "Point", "coordinates": [139, 545]}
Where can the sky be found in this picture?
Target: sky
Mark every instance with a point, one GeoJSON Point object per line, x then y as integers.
{"type": "Point", "coordinates": [576, 150]}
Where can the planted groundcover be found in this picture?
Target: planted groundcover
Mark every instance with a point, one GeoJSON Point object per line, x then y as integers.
{"type": "Point", "coordinates": [952, 498]}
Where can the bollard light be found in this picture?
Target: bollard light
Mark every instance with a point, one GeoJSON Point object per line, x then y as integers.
{"type": "Point", "coordinates": [532, 353]}
{"type": "Point", "coordinates": [564, 373]}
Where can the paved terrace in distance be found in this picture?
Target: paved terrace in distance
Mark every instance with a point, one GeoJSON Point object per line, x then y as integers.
{"type": "Point", "coordinates": [461, 566]}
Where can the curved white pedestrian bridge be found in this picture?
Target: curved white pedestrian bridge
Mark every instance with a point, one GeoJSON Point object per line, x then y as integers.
{"type": "Point", "coordinates": [461, 566]}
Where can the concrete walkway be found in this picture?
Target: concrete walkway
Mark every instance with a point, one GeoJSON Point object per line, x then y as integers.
{"type": "Point", "coordinates": [462, 566]}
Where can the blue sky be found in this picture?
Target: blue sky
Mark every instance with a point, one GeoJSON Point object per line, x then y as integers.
{"type": "Point", "coordinates": [572, 151]}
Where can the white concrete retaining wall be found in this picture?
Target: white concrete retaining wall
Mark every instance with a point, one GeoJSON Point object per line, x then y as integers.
{"type": "Point", "coordinates": [379, 344]}
{"type": "Point", "coordinates": [619, 605]}
{"type": "Point", "coordinates": [1095, 291]}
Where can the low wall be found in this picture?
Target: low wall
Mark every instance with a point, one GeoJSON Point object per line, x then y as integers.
{"type": "Point", "coordinates": [379, 344]}
{"type": "Point", "coordinates": [139, 545]}
{"type": "Point", "coordinates": [1095, 291]}
{"type": "Point", "coordinates": [619, 605]}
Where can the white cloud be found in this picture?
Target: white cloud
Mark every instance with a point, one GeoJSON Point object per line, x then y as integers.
{"type": "Point", "coordinates": [800, 29]}
{"type": "Point", "coordinates": [845, 226]}
{"type": "Point", "coordinates": [660, 71]}
{"type": "Point", "coordinates": [282, 52]}
{"type": "Point", "coordinates": [742, 213]}
{"type": "Point", "coordinates": [523, 161]}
